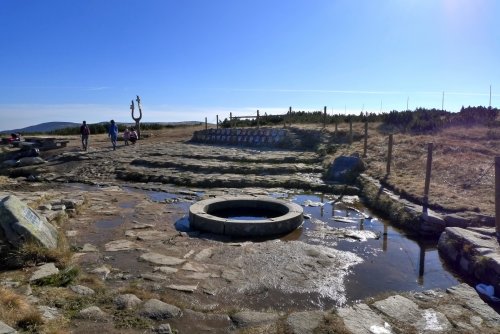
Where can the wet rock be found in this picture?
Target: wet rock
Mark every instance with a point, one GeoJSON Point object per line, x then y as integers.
{"type": "Point", "coordinates": [432, 223]}
{"type": "Point", "coordinates": [360, 319]}
{"type": "Point", "coordinates": [474, 252]}
{"type": "Point", "coordinates": [158, 310]}
{"type": "Point", "coordinates": [154, 277]}
{"type": "Point", "coordinates": [30, 161]}
{"type": "Point", "coordinates": [433, 322]}
{"type": "Point", "coordinates": [304, 322]}
{"type": "Point", "coordinates": [161, 259]}
{"type": "Point", "coordinates": [82, 290]}
{"type": "Point", "coordinates": [126, 301]}
{"type": "Point", "coordinates": [474, 303]}
{"type": "Point", "coordinates": [398, 307]}
{"type": "Point", "coordinates": [46, 270]}
{"type": "Point", "coordinates": [183, 288]}
{"type": "Point", "coordinates": [19, 223]}
{"type": "Point", "coordinates": [120, 245]}
{"type": "Point", "coordinates": [6, 329]}
{"type": "Point", "coordinates": [93, 313]}
{"type": "Point", "coordinates": [251, 318]}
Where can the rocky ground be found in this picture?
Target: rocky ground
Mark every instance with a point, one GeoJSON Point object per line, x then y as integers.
{"type": "Point", "coordinates": [138, 272]}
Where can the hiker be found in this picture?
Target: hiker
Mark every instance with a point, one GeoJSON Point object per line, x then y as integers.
{"type": "Point", "coordinates": [113, 133]}
{"type": "Point", "coordinates": [133, 136]}
{"type": "Point", "coordinates": [85, 132]}
{"type": "Point", "coordinates": [126, 136]}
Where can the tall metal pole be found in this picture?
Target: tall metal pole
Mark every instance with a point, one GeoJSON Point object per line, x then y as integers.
{"type": "Point", "coordinates": [490, 96]}
{"type": "Point", "coordinates": [442, 102]}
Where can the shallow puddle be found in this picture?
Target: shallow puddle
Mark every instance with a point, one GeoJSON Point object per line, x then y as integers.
{"type": "Point", "coordinates": [392, 260]}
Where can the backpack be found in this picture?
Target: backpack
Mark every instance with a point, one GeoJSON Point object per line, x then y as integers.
{"type": "Point", "coordinates": [86, 131]}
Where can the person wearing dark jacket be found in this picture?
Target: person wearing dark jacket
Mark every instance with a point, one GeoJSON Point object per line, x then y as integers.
{"type": "Point", "coordinates": [84, 133]}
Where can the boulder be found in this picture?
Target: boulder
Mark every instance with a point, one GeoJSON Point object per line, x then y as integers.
{"type": "Point", "coordinates": [345, 169]}
{"type": "Point", "coordinates": [19, 223]}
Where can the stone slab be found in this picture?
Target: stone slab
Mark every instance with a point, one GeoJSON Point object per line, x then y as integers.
{"type": "Point", "coordinates": [19, 223]}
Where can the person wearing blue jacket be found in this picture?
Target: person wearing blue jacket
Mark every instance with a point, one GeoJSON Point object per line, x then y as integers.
{"type": "Point", "coordinates": [113, 133]}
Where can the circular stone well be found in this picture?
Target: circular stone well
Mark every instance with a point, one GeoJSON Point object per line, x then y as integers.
{"type": "Point", "coordinates": [271, 216]}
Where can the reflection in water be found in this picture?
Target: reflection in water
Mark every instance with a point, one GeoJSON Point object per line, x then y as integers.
{"type": "Point", "coordinates": [393, 261]}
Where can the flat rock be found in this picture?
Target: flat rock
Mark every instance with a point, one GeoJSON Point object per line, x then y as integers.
{"type": "Point", "coordinates": [304, 322]}
{"type": "Point", "coordinates": [154, 277]}
{"type": "Point", "coordinates": [126, 301]}
{"type": "Point", "coordinates": [166, 269]}
{"type": "Point", "coordinates": [161, 259]}
{"type": "Point", "coordinates": [43, 271]}
{"type": "Point", "coordinates": [184, 288]}
{"type": "Point", "coordinates": [82, 290]}
{"type": "Point", "coordinates": [120, 245]}
{"type": "Point", "coordinates": [193, 266]}
{"type": "Point", "coordinates": [360, 319]}
{"type": "Point", "coordinates": [398, 307]}
{"type": "Point", "coordinates": [6, 329]}
{"type": "Point", "coordinates": [88, 248]}
{"type": "Point", "coordinates": [204, 254]}
{"type": "Point", "coordinates": [158, 310]}
{"type": "Point", "coordinates": [474, 303]}
{"type": "Point", "coordinates": [251, 318]}
{"type": "Point", "coordinates": [432, 321]}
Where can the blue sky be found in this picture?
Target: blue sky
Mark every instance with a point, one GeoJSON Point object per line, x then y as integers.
{"type": "Point", "coordinates": [73, 60]}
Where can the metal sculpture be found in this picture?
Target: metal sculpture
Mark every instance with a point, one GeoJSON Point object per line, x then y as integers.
{"type": "Point", "coordinates": [137, 119]}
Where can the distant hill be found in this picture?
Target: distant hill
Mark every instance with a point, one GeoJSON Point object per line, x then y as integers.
{"type": "Point", "coordinates": [43, 127]}
{"type": "Point", "coordinates": [51, 126]}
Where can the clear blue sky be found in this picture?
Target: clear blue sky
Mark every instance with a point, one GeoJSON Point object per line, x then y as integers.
{"type": "Point", "coordinates": [72, 60]}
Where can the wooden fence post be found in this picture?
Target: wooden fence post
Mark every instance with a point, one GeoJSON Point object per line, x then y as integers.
{"type": "Point", "coordinates": [217, 121]}
{"type": "Point", "coordinates": [258, 123]}
{"type": "Point", "coordinates": [389, 155]}
{"type": "Point", "coordinates": [366, 138]}
{"type": "Point", "coordinates": [206, 124]}
{"type": "Point", "coordinates": [497, 196]}
{"type": "Point", "coordinates": [324, 118]}
{"type": "Point", "coordinates": [230, 119]}
{"type": "Point", "coordinates": [427, 176]}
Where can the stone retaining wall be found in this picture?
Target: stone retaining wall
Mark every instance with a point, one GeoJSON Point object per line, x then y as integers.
{"type": "Point", "coordinates": [270, 137]}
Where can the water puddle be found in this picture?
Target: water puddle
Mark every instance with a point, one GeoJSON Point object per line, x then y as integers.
{"type": "Point", "coordinates": [392, 260]}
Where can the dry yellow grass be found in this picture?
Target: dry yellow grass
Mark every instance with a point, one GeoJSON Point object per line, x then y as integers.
{"type": "Point", "coordinates": [16, 311]}
{"type": "Point", "coordinates": [462, 175]}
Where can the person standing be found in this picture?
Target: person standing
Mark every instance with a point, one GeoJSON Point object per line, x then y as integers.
{"type": "Point", "coordinates": [113, 133]}
{"type": "Point", "coordinates": [85, 132]}
{"type": "Point", "coordinates": [126, 136]}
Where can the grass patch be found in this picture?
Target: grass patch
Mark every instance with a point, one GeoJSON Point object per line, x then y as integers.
{"type": "Point", "coordinates": [32, 253]}
{"type": "Point", "coordinates": [129, 319]}
{"type": "Point", "coordinates": [17, 312]}
{"type": "Point", "coordinates": [63, 278]}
